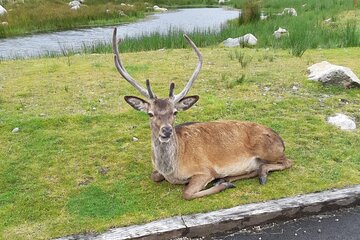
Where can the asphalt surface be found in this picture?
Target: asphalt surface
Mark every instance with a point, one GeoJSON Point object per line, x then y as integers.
{"type": "Point", "coordinates": [337, 225]}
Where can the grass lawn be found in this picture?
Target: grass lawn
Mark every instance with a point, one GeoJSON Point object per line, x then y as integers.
{"type": "Point", "coordinates": [73, 166]}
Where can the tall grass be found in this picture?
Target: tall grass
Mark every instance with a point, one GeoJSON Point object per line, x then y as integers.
{"type": "Point", "coordinates": [306, 31]}
{"type": "Point", "coordinates": [45, 16]}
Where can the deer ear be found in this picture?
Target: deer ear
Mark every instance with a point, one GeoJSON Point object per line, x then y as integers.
{"type": "Point", "coordinates": [137, 103]}
{"type": "Point", "coordinates": [186, 102]}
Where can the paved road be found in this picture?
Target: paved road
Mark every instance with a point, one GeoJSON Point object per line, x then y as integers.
{"type": "Point", "coordinates": [337, 225]}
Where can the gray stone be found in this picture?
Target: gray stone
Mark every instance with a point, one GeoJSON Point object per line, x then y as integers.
{"type": "Point", "coordinates": [280, 33]}
{"type": "Point", "coordinates": [246, 40]}
{"type": "Point", "coordinates": [135, 139]}
{"type": "Point", "coordinates": [2, 10]}
{"type": "Point", "coordinates": [342, 121]}
{"type": "Point", "coordinates": [16, 130]}
{"type": "Point", "coordinates": [328, 73]}
{"type": "Point", "coordinates": [74, 3]}
{"type": "Point", "coordinates": [289, 11]}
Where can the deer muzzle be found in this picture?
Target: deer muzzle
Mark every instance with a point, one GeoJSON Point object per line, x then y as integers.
{"type": "Point", "coordinates": [165, 133]}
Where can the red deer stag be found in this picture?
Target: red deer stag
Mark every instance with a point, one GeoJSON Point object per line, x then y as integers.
{"type": "Point", "coordinates": [198, 153]}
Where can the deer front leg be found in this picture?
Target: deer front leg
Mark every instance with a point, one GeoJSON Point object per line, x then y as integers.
{"type": "Point", "coordinates": [198, 182]}
{"type": "Point", "coordinates": [266, 168]}
{"type": "Point", "coordinates": [156, 176]}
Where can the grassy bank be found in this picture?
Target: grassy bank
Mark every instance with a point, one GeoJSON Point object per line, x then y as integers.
{"type": "Point", "coordinates": [45, 16]}
{"type": "Point", "coordinates": [35, 16]}
{"type": "Point", "coordinates": [306, 31]}
{"type": "Point", "coordinates": [73, 166]}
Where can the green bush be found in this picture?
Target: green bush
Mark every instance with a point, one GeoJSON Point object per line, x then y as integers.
{"type": "Point", "coordinates": [250, 12]}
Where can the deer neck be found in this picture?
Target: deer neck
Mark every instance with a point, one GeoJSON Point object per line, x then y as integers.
{"type": "Point", "coordinates": [165, 153]}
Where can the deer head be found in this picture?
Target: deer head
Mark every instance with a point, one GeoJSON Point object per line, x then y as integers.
{"type": "Point", "coordinates": [162, 111]}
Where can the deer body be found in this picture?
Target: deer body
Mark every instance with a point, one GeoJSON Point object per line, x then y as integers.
{"type": "Point", "coordinates": [198, 153]}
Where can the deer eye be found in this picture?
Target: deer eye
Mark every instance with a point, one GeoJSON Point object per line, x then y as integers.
{"type": "Point", "coordinates": [150, 114]}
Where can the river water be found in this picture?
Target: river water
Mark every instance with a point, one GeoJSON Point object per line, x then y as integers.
{"type": "Point", "coordinates": [186, 20]}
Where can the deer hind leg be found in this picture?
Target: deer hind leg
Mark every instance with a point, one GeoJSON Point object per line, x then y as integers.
{"type": "Point", "coordinates": [198, 182]}
{"type": "Point", "coordinates": [267, 167]}
{"type": "Point", "coordinates": [244, 176]}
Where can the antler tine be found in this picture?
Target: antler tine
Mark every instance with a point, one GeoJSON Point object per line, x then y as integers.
{"type": "Point", "coordinates": [122, 70]}
{"type": "Point", "coordinates": [183, 93]}
{"type": "Point", "coordinates": [151, 94]}
{"type": "Point", "coordinates": [171, 92]}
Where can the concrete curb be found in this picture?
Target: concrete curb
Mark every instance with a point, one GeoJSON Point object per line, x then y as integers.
{"type": "Point", "coordinates": [204, 224]}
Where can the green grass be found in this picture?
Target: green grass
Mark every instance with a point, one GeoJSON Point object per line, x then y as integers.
{"type": "Point", "coordinates": [47, 16]}
{"type": "Point", "coordinates": [306, 31]}
{"type": "Point", "coordinates": [55, 15]}
{"type": "Point", "coordinates": [73, 167]}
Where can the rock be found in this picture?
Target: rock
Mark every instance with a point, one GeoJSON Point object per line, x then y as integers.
{"type": "Point", "coordinates": [247, 40]}
{"type": "Point", "coordinates": [289, 11]}
{"type": "Point", "coordinates": [280, 32]}
{"type": "Point", "coordinates": [328, 73]}
{"type": "Point", "coordinates": [329, 20]}
{"type": "Point", "coordinates": [4, 23]}
{"type": "Point", "coordinates": [2, 10]}
{"type": "Point", "coordinates": [159, 9]}
{"type": "Point", "coordinates": [74, 4]}
{"type": "Point", "coordinates": [295, 88]}
{"type": "Point", "coordinates": [16, 130]}
{"type": "Point", "coordinates": [342, 121]}
{"type": "Point", "coordinates": [103, 170]}
{"type": "Point", "coordinates": [263, 17]}
{"type": "Point", "coordinates": [75, 8]}
{"type": "Point", "coordinates": [135, 139]}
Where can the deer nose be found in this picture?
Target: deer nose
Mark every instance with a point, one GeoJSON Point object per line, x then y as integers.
{"type": "Point", "coordinates": [166, 131]}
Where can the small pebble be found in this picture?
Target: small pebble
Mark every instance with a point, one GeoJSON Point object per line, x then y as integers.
{"type": "Point", "coordinates": [319, 230]}
{"type": "Point", "coordinates": [295, 234]}
{"type": "Point", "coordinates": [135, 139]}
{"type": "Point", "coordinates": [15, 130]}
{"type": "Point", "coordinates": [304, 231]}
{"type": "Point", "coordinates": [336, 220]}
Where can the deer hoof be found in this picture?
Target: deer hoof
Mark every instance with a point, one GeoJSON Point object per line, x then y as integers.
{"type": "Point", "coordinates": [157, 177]}
{"type": "Point", "coordinates": [262, 180]}
{"type": "Point", "coordinates": [229, 185]}
{"type": "Point", "coordinates": [219, 181]}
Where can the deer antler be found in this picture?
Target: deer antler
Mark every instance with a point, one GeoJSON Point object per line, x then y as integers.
{"type": "Point", "coordinates": [183, 93]}
{"type": "Point", "coordinates": [122, 70]}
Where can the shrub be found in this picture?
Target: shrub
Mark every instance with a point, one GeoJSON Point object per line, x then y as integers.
{"type": "Point", "coordinates": [250, 12]}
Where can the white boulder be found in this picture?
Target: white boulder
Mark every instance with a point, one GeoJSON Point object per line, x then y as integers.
{"type": "Point", "coordinates": [2, 10]}
{"type": "Point", "coordinates": [289, 11]}
{"type": "Point", "coordinates": [159, 9]}
{"type": "Point", "coordinates": [263, 17]}
{"type": "Point", "coordinates": [74, 4]}
{"type": "Point", "coordinates": [247, 40]}
{"type": "Point", "coordinates": [280, 32]}
{"type": "Point", "coordinates": [75, 7]}
{"type": "Point", "coordinates": [342, 121]}
{"type": "Point", "coordinates": [328, 73]}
